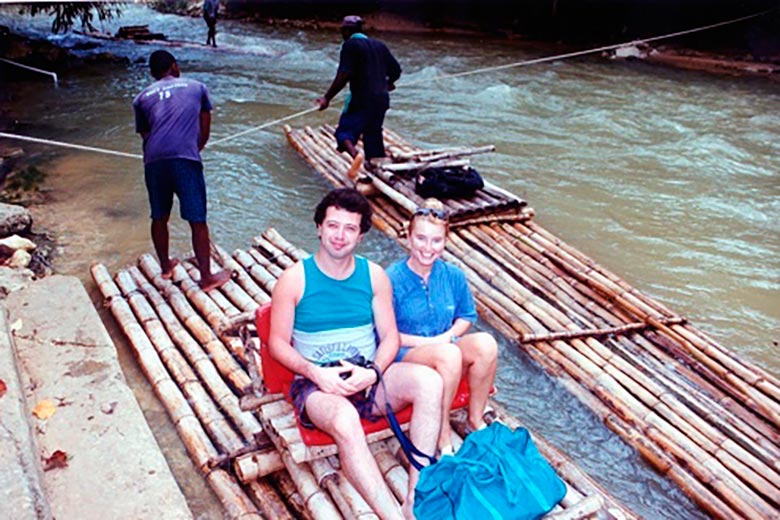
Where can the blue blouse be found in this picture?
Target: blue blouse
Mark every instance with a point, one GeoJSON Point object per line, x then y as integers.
{"type": "Point", "coordinates": [430, 309]}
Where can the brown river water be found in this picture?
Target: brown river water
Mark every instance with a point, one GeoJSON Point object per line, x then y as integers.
{"type": "Point", "coordinates": [670, 179]}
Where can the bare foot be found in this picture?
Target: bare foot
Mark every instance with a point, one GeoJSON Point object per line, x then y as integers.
{"type": "Point", "coordinates": [167, 270]}
{"type": "Point", "coordinates": [354, 168]}
{"type": "Point", "coordinates": [215, 280]}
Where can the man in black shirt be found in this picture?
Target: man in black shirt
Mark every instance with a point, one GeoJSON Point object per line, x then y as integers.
{"type": "Point", "coordinates": [371, 71]}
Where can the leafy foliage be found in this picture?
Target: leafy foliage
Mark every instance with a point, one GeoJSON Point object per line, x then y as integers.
{"type": "Point", "coordinates": [68, 13]}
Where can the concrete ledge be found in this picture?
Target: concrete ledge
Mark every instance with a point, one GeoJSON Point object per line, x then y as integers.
{"type": "Point", "coordinates": [21, 494]}
{"type": "Point", "coordinates": [115, 468]}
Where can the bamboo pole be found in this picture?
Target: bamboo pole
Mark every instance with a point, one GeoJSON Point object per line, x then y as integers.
{"type": "Point", "coordinates": [274, 237]}
{"type": "Point", "coordinates": [254, 291]}
{"type": "Point", "coordinates": [268, 500]}
{"type": "Point", "coordinates": [219, 430]}
{"type": "Point", "coordinates": [217, 296]}
{"type": "Point", "coordinates": [228, 367]}
{"type": "Point", "coordinates": [519, 258]}
{"type": "Point", "coordinates": [236, 503]}
{"type": "Point", "coordinates": [245, 422]}
{"type": "Point", "coordinates": [273, 253]}
{"type": "Point", "coordinates": [289, 492]}
{"type": "Point", "coordinates": [259, 274]}
{"type": "Point", "coordinates": [195, 439]}
{"type": "Point", "coordinates": [256, 465]}
{"type": "Point", "coordinates": [318, 505]}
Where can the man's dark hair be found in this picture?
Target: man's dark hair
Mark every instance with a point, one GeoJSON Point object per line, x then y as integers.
{"type": "Point", "coordinates": [160, 62]}
{"type": "Point", "coordinates": [348, 199]}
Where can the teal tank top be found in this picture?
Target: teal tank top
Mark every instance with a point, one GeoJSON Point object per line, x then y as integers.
{"type": "Point", "coordinates": [334, 318]}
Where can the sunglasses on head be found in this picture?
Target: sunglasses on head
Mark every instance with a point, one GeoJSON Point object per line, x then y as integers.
{"type": "Point", "coordinates": [431, 212]}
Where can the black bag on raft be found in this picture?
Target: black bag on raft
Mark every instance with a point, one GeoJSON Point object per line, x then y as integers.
{"type": "Point", "coordinates": [448, 183]}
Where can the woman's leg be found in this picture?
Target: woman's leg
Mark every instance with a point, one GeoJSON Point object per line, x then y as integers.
{"type": "Point", "coordinates": [445, 359]}
{"type": "Point", "coordinates": [480, 357]}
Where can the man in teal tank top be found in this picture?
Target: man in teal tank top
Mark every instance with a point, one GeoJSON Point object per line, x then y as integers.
{"type": "Point", "coordinates": [335, 305]}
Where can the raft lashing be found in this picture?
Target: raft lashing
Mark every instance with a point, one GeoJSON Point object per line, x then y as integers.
{"type": "Point", "coordinates": [206, 376]}
{"type": "Point", "coordinates": [696, 411]}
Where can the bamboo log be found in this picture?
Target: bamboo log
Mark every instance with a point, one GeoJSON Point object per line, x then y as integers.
{"type": "Point", "coordinates": [195, 439]}
{"type": "Point", "coordinates": [257, 464]}
{"type": "Point", "coordinates": [201, 363]}
{"type": "Point", "coordinates": [395, 475]}
{"type": "Point", "coordinates": [315, 501]}
{"type": "Point", "coordinates": [219, 430]}
{"type": "Point", "coordinates": [289, 492]}
{"type": "Point", "coordinates": [236, 503]}
{"type": "Point", "coordinates": [513, 252]}
{"type": "Point", "coordinates": [424, 164]}
{"type": "Point", "coordinates": [242, 278]}
{"type": "Point", "coordinates": [258, 273]}
{"type": "Point", "coordinates": [343, 494]}
{"type": "Point", "coordinates": [274, 237]}
{"type": "Point", "coordinates": [272, 253]}
{"type": "Point", "coordinates": [442, 153]}
{"type": "Point", "coordinates": [268, 500]}
{"type": "Point", "coordinates": [222, 359]}
{"type": "Point", "coordinates": [224, 304]}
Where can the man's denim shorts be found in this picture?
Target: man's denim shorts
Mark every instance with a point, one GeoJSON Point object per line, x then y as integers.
{"type": "Point", "coordinates": [184, 177]}
{"type": "Point", "coordinates": [302, 388]}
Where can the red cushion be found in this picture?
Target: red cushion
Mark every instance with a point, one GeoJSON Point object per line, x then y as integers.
{"type": "Point", "coordinates": [277, 379]}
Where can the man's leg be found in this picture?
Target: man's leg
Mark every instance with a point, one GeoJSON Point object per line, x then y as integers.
{"type": "Point", "coordinates": [191, 189]}
{"type": "Point", "coordinates": [339, 418]}
{"type": "Point", "coordinates": [160, 239]}
{"type": "Point", "coordinates": [347, 134]}
{"type": "Point", "coordinates": [420, 386]}
{"type": "Point", "coordinates": [202, 247]}
{"type": "Point", "coordinates": [160, 186]}
{"type": "Point", "coordinates": [373, 140]}
{"type": "Point", "coordinates": [480, 358]}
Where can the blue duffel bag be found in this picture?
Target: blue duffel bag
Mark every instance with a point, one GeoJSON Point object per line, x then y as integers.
{"type": "Point", "coordinates": [497, 474]}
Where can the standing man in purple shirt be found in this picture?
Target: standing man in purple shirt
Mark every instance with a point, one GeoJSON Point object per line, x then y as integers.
{"type": "Point", "coordinates": [173, 116]}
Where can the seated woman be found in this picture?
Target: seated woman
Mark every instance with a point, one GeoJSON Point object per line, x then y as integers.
{"type": "Point", "coordinates": [434, 309]}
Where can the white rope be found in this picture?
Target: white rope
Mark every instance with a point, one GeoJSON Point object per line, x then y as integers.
{"type": "Point", "coordinates": [582, 53]}
{"type": "Point", "coordinates": [41, 71]}
{"type": "Point", "coordinates": [265, 125]}
{"type": "Point", "coordinates": [69, 145]}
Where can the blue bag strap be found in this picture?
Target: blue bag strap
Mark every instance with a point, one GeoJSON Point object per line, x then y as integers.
{"type": "Point", "coordinates": [411, 451]}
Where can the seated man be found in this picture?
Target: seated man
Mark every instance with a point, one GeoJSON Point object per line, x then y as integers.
{"type": "Point", "coordinates": [335, 305]}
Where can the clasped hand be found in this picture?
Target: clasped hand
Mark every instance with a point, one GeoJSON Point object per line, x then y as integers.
{"type": "Point", "coordinates": [344, 380]}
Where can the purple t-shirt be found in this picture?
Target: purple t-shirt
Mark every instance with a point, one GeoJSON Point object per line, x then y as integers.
{"type": "Point", "coordinates": [169, 109]}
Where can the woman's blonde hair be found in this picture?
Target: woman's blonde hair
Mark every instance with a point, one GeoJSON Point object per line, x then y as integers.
{"type": "Point", "coordinates": [432, 210]}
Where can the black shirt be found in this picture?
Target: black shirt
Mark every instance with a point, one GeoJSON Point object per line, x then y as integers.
{"type": "Point", "coordinates": [371, 69]}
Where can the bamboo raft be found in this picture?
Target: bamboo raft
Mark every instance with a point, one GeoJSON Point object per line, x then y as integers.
{"type": "Point", "coordinates": [185, 343]}
{"type": "Point", "coordinates": [696, 411]}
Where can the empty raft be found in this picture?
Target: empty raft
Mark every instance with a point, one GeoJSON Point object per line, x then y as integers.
{"type": "Point", "coordinates": [698, 412]}
{"type": "Point", "coordinates": [185, 341]}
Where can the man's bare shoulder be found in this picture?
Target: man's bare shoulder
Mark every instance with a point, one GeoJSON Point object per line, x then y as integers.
{"type": "Point", "coordinates": [291, 282]}
{"type": "Point", "coordinates": [379, 277]}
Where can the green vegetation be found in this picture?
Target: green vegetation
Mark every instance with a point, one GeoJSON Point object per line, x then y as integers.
{"type": "Point", "coordinates": [22, 186]}
{"type": "Point", "coordinates": [68, 13]}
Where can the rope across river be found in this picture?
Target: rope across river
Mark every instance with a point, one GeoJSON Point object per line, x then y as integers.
{"type": "Point", "coordinates": [483, 70]}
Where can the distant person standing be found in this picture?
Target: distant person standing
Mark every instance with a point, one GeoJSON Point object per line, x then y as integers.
{"type": "Point", "coordinates": [210, 9]}
{"type": "Point", "coordinates": [371, 71]}
{"type": "Point", "coordinates": [173, 116]}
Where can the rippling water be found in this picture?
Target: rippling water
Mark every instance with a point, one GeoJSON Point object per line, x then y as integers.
{"type": "Point", "coordinates": [670, 179]}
